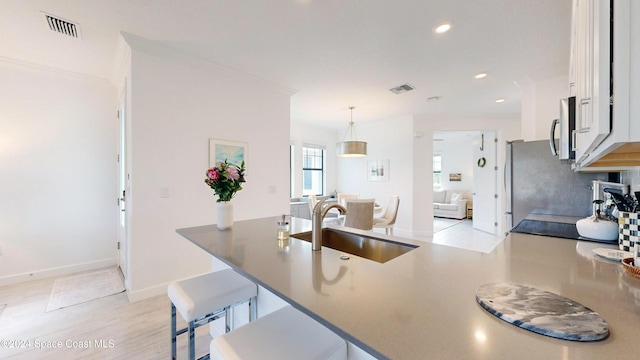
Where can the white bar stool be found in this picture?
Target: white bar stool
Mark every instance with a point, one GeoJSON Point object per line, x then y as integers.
{"type": "Point", "coordinates": [208, 297]}
{"type": "Point", "coordinates": [284, 334]}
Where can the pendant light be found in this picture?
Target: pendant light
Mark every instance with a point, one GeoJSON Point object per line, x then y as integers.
{"type": "Point", "coordinates": [353, 147]}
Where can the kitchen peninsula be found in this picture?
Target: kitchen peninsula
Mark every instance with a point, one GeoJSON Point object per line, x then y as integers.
{"type": "Point", "coordinates": [421, 305]}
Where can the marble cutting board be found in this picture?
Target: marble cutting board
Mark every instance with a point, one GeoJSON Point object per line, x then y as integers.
{"type": "Point", "coordinates": [542, 312]}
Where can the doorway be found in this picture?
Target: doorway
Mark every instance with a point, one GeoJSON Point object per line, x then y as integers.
{"type": "Point", "coordinates": [459, 155]}
{"type": "Point", "coordinates": [122, 185]}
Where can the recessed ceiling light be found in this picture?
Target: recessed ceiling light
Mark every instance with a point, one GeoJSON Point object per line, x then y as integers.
{"type": "Point", "coordinates": [481, 75]}
{"type": "Point", "coordinates": [501, 100]}
{"type": "Point", "coordinates": [443, 27]}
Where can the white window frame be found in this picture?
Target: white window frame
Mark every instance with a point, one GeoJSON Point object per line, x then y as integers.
{"type": "Point", "coordinates": [437, 170]}
{"type": "Point", "coordinates": [321, 169]}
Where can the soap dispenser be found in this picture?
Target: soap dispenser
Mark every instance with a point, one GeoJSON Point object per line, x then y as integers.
{"type": "Point", "coordinates": [283, 228]}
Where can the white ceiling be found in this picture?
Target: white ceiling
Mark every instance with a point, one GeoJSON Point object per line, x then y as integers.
{"type": "Point", "coordinates": [333, 53]}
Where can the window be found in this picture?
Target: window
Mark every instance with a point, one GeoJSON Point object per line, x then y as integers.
{"type": "Point", "coordinates": [312, 169]}
{"type": "Point", "coordinates": [437, 170]}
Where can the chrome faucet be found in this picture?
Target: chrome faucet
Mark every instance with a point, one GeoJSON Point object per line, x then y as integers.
{"type": "Point", "coordinates": [319, 212]}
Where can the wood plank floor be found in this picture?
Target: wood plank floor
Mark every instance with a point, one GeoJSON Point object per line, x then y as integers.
{"type": "Point", "coordinates": [125, 330]}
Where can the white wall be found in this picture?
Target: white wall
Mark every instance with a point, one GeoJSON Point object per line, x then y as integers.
{"type": "Point", "coordinates": [507, 128]}
{"type": "Point", "coordinates": [631, 178]}
{"type": "Point", "coordinates": [410, 152]}
{"type": "Point", "coordinates": [391, 140]}
{"type": "Point", "coordinates": [177, 104]}
{"type": "Point", "coordinates": [541, 105]}
{"type": "Point", "coordinates": [58, 213]}
{"type": "Point", "coordinates": [306, 133]}
{"type": "Point", "coordinates": [457, 157]}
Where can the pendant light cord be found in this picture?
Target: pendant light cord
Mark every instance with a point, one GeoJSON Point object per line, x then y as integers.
{"type": "Point", "coordinates": [351, 130]}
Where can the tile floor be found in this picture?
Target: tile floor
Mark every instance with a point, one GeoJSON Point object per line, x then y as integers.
{"type": "Point", "coordinates": [461, 234]}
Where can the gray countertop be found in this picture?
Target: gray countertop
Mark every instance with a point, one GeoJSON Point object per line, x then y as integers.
{"type": "Point", "coordinates": [422, 304]}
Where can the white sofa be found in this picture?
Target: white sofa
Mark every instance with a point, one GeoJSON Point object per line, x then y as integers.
{"type": "Point", "coordinates": [450, 203]}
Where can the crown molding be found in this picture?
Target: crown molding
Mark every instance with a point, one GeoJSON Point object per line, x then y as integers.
{"type": "Point", "coordinates": [25, 65]}
{"type": "Point", "coordinates": [161, 50]}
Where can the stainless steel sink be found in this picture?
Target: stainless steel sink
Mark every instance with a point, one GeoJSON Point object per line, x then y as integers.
{"type": "Point", "coordinates": [376, 249]}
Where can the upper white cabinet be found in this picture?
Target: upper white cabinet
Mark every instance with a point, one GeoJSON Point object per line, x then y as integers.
{"type": "Point", "coordinates": [606, 69]}
{"type": "Point", "coordinates": [591, 73]}
{"type": "Point", "coordinates": [572, 58]}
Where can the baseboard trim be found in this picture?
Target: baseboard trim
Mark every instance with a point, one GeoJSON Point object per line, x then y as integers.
{"type": "Point", "coordinates": [56, 271]}
{"type": "Point", "coordinates": [151, 291]}
{"type": "Point", "coordinates": [146, 293]}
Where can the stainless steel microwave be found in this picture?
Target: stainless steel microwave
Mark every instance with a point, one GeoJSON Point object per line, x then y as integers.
{"type": "Point", "coordinates": [565, 150]}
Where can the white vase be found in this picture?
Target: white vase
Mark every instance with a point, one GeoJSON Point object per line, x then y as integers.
{"type": "Point", "coordinates": [224, 215]}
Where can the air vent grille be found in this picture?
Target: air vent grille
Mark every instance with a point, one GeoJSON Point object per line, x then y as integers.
{"type": "Point", "coordinates": [401, 89]}
{"type": "Point", "coordinates": [62, 26]}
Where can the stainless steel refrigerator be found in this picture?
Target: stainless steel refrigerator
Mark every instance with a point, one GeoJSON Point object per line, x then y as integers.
{"type": "Point", "coordinates": [540, 187]}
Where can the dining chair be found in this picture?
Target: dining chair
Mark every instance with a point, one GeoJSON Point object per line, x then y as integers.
{"type": "Point", "coordinates": [359, 214]}
{"type": "Point", "coordinates": [342, 197]}
{"type": "Point", "coordinates": [388, 219]}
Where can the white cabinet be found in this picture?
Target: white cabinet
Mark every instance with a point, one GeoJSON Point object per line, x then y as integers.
{"type": "Point", "coordinates": [572, 54]}
{"type": "Point", "coordinates": [293, 210]}
{"type": "Point", "coordinates": [620, 149]}
{"type": "Point", "coordinates": [300, 210]}
{"type": "Point", "coordinates": [591, 72]}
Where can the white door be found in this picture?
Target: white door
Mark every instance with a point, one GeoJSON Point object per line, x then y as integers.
{"type": "Point", "coordinates": [485, 187]}
{"type": "Point", "coordinates": [122, 185]}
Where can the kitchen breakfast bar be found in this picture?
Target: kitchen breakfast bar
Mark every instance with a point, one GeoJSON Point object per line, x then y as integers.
{"type": "Point", "coordinates": [422, 304]}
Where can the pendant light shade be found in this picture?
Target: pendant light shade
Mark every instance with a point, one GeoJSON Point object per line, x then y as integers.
{"type": "Point", "coordinates": [352, 147]}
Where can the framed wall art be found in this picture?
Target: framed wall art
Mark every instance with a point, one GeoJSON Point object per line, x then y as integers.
{"type": "Point", "coordinates": [378, 170]}
{"type": "Point", "coordinates": [232, 151]}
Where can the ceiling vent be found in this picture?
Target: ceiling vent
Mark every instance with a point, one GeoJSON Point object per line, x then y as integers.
{"type": "Point", "coordinates": [401, 89]}
{"type": "Point", "coordinates": [61, 26]}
